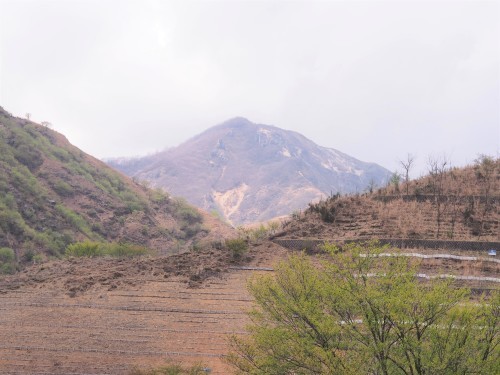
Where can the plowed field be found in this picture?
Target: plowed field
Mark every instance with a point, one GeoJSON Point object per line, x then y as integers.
{"type": "Point", "coordinates": [125, 319]}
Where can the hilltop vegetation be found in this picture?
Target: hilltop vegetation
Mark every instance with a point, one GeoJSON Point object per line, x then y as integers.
{"type": "Point", "coordinates": [52, 194]}
{"type": "Point", "coordinates": [448, 204]}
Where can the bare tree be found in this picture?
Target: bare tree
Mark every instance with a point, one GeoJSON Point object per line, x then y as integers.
{"type": "Point", "coordinates": [371, 186]}
{"type": "Point", "coordinates": [407, 165]}
{"type": "Point", "coordinates": [437, 167]}
{"type": "Point", "coordinates": [28, 115]}
{"type": "Point", "coordinates": [46, 124]}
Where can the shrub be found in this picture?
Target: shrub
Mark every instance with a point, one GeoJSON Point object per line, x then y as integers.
{"type": "Point", "coordinates": [7, 268]}
{"type": "Point", "coordinates": [295, 215]}
{"type": "Point", "coordinates": [158, 196]}
{"type": "Point", "coordinates": [24, 181]}
{"type": "Point", "coordinates": [173, 369]}
{"type": "Point", "coordinates": [9, 201]}
{"type": "Point", "coordinates": [7, 261]}
{"type": "Point", "coordinates": [237, 246]}
{"type": "Point", "coordinates": [38, 258]}
{"type": "Point", "coordinates": [124, 250]}
{"type": "Point", "coordinates": [28, 255]}
{"type": "Point", "coordinates": [191, 230]}
{"type": "Point", "coordinates": [84, 249]}
{"type": "Point", "coordinates": [12, 222]}
{"type": "Point", "coordinates": [187, 213]}
{"type": "Point", "coordinates": [132, 201]}
{"type": "Point", "coordinates": [259, 234]}
{"type": "Point", "coordinates": [329, 247]}
{"type": "Point", "coordinates": [63, 189]}
{"type": "Point", "coordinates": [76, 220]}
{"type": "Point", "coordinates": [96, 249]}
{"type": "Point", "coordinates": [61, 154]}
{"type": "Point", "coordinates": [28, 156]}
{"type": "Point", "coordinates": [54, 242]}
{"type": "Point", "coordinates": [6, 255]}
{"type": "Point", "coordinates": [326, 210]}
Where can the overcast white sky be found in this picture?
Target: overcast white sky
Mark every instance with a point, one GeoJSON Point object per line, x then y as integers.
{"type": "Point", "coordinates": [373, 79]}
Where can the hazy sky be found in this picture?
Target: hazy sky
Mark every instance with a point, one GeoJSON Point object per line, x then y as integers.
{"type": "Point", "coordinates": [373, 79]}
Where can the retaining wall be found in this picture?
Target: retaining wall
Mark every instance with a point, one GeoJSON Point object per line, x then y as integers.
{"type": "Point", "coordinates": [312, 245]}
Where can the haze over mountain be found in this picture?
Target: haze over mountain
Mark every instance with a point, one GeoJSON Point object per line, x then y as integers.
{"type": "Point", "coordinates": [251, 172]}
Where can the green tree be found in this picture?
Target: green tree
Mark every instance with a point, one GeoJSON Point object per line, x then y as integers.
{"type": "Point", "coordinates": [363, 313]}
{"type": "Point", "coordinates": [395, 179]}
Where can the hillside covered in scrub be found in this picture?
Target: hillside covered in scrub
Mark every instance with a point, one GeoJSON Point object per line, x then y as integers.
{"type": "Point", "coordinates": [447, 204]}
{"type": "Point", "coordinates": [52, 194]}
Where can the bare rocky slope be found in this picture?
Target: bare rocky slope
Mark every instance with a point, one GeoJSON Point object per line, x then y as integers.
{"type": "Point", "coordinates": [53, 194]}
{"type": "Point", "coordinates": [250, 172]}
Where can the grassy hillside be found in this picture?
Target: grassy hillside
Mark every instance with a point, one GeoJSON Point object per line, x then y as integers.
{"type": "Point", "coordinates": [448, 204]}
{"type": "Point", "coordinates": [52, 194]}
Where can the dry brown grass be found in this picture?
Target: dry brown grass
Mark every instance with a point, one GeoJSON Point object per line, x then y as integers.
{"type": "Point", "coordinates": [465, 208]}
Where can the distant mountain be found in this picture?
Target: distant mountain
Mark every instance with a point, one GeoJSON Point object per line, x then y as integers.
{"type": "Point", "coordinates": [53, 194]}
{"type": "Point", "coordinates": [250, 172]}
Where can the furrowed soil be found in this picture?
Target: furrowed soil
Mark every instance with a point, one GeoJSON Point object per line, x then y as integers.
{"type": "Point", "coordinates": [107, 316]}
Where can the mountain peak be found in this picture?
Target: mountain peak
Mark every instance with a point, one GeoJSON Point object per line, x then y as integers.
{"type": "Point", "coordinates": [251, 172]}
{"type": "Point", "coordinates": [236, 123]}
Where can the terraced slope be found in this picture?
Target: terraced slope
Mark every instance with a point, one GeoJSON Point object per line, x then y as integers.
{"type": "Point", "coordinates": [459, 204]}
{"type": "Point", "coordinates": [112, 332]}
{"type": "Point", "coordinates": [141, 312]}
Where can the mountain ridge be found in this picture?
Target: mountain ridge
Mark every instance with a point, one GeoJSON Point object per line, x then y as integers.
{"type": "Point", "coordinates": [252, 172]}
{"type": "Point", "coordinates": [53, 194]}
